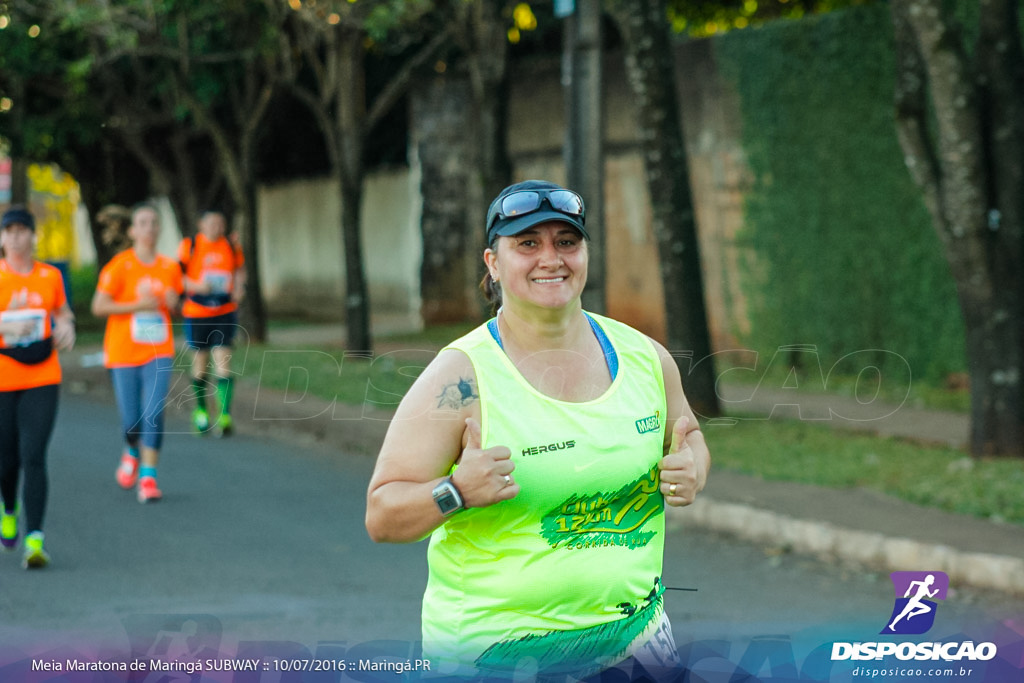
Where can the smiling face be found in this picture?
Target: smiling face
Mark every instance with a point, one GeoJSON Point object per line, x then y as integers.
{"type": "Point", "coordinates": [544, 266]}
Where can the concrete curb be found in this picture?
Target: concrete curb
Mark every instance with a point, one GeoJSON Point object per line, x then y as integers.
{"type": "Point", "coordinates": [860, 548]}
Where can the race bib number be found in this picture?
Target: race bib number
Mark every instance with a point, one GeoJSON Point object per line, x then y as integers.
{"type": "Point", "coordinates": [659, 651]}
{"type": "Point", "coordinates": [35, 316]}
{"type": "Point", "coordinates": [219, 281]}
{"type": "Point", "coordinates": [149, 328]}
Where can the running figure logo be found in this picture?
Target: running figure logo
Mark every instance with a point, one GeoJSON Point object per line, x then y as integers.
{"type": "Point", "coordinates": [914, 613]}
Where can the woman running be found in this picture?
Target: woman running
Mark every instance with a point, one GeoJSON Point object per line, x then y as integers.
{"type": "Point", "coordinates": [35, 321]}
{"type": "Point", "coordinates": [137, 291]}
{"type": "Point", "coordinates": [538, 452]}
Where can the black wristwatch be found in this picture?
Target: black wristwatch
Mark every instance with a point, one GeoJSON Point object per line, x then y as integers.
{"type": "Point", "coordinates": [448, 499]}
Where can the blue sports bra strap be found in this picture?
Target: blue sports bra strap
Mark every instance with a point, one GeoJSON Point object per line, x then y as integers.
{"type": "Point", "coordinates": [610, 356]}
{"type": "Point", "coordinates": [492, 327]}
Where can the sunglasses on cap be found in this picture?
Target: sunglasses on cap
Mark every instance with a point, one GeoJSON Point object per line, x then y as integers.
{"type": "Point", "coordinates": [523, 202]}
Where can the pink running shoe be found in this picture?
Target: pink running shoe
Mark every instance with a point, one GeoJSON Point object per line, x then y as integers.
{"type": "Point", "coordinates": [148, 492]}
{"type": "Point", "coordinates": [127, 472]}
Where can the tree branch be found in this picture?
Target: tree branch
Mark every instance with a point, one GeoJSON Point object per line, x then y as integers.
{"type": "Point", "coordinates": [399, 83]}
{"type": "Point", "coordinates": [323, 117]}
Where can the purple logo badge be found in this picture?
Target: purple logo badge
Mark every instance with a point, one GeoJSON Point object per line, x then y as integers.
{"type": "Point", "coordinates": [916, 592]}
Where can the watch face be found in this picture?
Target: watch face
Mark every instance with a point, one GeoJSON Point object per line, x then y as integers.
{"type": "Point", "coordinates": [446, 501]}
{"type": "Point", "coordinates": [447, 498]}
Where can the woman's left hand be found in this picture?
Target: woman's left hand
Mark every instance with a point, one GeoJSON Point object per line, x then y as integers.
{"type": "Point", "coordinates": [681, 473]}
{"type": "Point", "coordinates": [64, 332]}
{"type": "Point", "coordinates": [170, 299]}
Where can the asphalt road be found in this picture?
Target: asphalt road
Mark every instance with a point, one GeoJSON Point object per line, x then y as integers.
{"type": "Point", "coordinates": [259, 546]}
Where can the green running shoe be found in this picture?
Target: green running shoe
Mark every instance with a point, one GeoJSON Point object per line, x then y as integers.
{"type": "Point", "coordinates": [35, 556]}
{"type": "Point", "coordinates": [9, 530]}
{"type": "Point", "coordinates": [225, 425]}
{"type": "Point", "coordinates": [200, 420]}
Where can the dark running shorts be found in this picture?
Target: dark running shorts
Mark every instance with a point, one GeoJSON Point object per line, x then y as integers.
{"type": "Point", "coordinates": [205, 333]}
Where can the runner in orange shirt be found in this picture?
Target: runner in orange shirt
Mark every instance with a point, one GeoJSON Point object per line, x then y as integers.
{"type": "Point", "coordinates": [214, 285]}
{"type": "Point", "coordinates": [34, 319]}
{"type": "Point", "coordinates": [137, 291]}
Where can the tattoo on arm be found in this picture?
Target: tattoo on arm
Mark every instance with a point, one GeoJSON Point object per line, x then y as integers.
{"type": "Point", "coordinates": [457, 394]}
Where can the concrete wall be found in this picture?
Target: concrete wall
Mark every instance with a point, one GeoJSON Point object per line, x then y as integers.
{"type": "Point", "coordinates": [718, 178]}
{"type": "Point", "coordinates": [301, 254]}
{"type": "Point", "coordinates": [300, 221]}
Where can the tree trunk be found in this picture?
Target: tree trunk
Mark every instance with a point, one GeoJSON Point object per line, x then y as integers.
{"type": "Point", "coordinates": [994, 349]}
{"type": "Point", "coordinates": [441, 113]}
{"type": "Point", "coordinates": [584, 146]}
{"type": "Point", "coordinates": [357, 298]}
{"type": "Point", "coordinates": [19, 180]}
{"type": "Point", "coordinates": [188, 194]}
{"type": "Point", "coordinates": [487, 63]}
{"type": "Point", "coordinates": [458, 131]}
{"type": "Point", "coordinates": [19, 162]}
{"type": "Point", "coordinates": [651, 72]}
{"type": "Point", "coordinates": [351, 122]}
{"type": "Point", "coordinates": [970, 169]}
{"type": "Point", "coordinates": [235, 150]}
{"type": "Point", "coordinates": [253, 311]}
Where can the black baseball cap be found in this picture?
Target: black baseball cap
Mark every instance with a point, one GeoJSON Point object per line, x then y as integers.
{"type": "Point", "coordinates": [539, 201]}
{"type": "Point", "coordinates": [18, 214]}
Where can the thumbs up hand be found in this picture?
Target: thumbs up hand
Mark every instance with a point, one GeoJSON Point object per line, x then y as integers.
{"type": "Point", "coordinates": [484, 476]}
{"type": "Point", "coordinates": [681, 477]}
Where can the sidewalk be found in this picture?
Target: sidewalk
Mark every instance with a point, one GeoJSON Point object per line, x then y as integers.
{"type": "Point", "coordinates": [857, 527]}
{"type": "Point", "coordinates": [861, 527]}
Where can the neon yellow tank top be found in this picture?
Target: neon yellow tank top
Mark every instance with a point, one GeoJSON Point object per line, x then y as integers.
{"type": "Point", "coordinates": [568, 572]}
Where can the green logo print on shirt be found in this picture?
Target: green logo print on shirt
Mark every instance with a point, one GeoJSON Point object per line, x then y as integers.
{"type": "Point", "coordinates": [603, 519]}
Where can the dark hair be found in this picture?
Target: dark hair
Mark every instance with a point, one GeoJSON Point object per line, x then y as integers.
{"type": "Point", "coordinates": [115, 220]}
{"type": "Point", "coordinates": [488, 287]}
{"type": "Point", "coordinates": [213, 211]}
{"type": "Point", "coordinates": [491, 291]}
{"type": "Point", "coordinates": [145, 206]}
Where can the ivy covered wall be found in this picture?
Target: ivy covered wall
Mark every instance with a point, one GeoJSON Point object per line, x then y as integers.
{"type": "Point", "coordinates": [842, 252]}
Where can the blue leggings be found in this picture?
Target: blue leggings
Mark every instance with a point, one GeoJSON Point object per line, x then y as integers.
{"type": "Point", "coordinates": [141, 393]}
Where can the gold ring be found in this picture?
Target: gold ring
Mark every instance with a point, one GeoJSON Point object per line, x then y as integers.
{"type": "Point", "coordinates": [671, 489]}
{"type": "Point", "coordinates": [508, 480]}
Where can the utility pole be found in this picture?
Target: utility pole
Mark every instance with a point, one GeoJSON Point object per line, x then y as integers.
{"type": "Point", "coordinates": [584, 118]}
{"type": "Point", "coordinates": [19, 164]}
{"type": "Point", "coordinates": [19, 180]}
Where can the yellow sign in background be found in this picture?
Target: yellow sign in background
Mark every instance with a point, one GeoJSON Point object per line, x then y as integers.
{"type": "Point", "coordinates": [54, 197]}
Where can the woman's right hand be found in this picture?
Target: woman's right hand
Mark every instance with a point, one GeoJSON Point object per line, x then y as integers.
{"type": "Point", "coordinates": [484, 476]}
{"type": "Point", "coordinates": [199, 287]}
{"type": "Point", "coordinates": [147, 302]}
{"type": "Point", "coordinates": [17, 328]}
